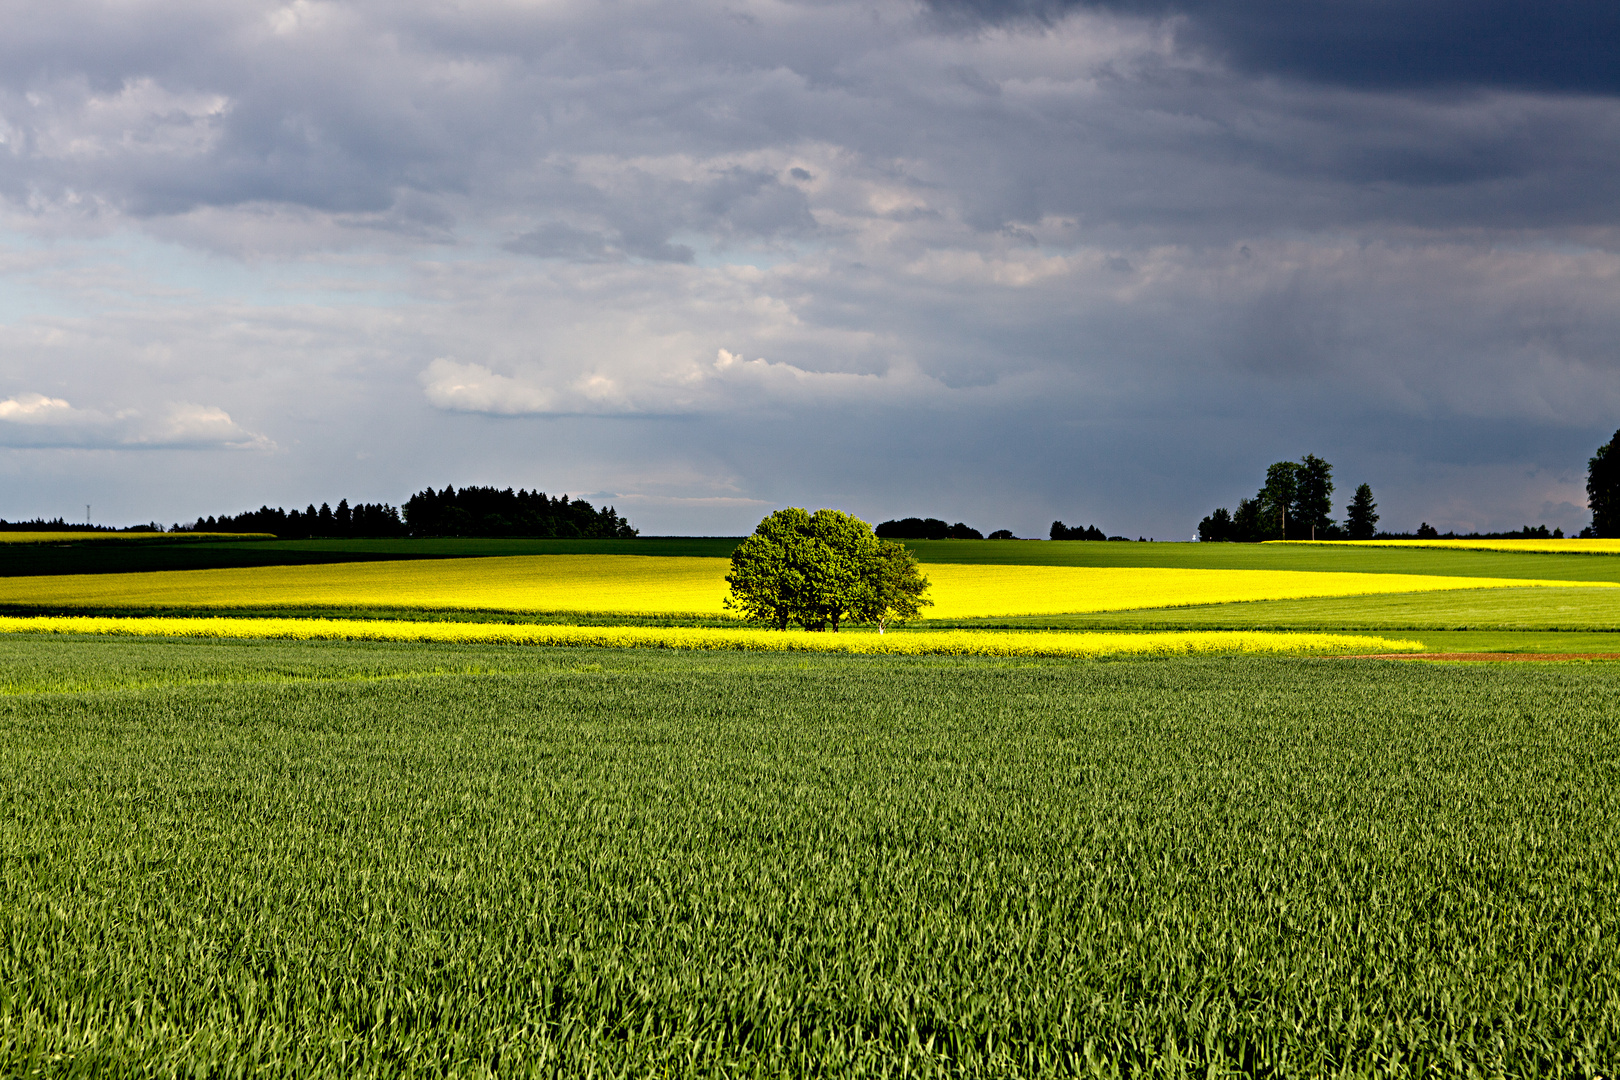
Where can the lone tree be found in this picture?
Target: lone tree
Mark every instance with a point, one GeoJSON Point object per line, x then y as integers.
{"type": "Point", "coordinates": [1603, 489]}
{"type": "Point", "coordinates": [1361, 516]}
{"type": "Point", "coordinates": [818, 570]}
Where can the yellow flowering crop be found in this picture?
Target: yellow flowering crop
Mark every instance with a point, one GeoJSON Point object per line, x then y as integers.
{"type": "Point", "coordinates": [602, 583]}
{"type": "Point", "coordinates": [916, 643]}
{"type": "Point", "coordinates": [624, 584]}
{"type": "Point", "coordinates": [965, 591]}
{"type": "Point", "coordinates": [1571, 546]}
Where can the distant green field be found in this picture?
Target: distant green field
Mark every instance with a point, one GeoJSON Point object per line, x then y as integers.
{"type": "Point", "coordinates": [361, 860]}
{"type": "Point", "coordinates": [1582, 609]}
{"type": "Point", "coordinates": [1443, 562]}
{"type": "Point", "coordinates": [178, 551]}
{"type": "Point", "coordinates": [186, 553]}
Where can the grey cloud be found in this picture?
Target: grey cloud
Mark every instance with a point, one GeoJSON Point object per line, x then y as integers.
{"type": "Point", "coordinates": [1563, 46]}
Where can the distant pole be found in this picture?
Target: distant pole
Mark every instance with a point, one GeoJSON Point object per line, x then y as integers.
{"type": "Point", "coordinates": [87, 513]}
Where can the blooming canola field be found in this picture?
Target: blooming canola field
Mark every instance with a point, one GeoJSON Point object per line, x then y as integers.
{"type": "Point", "coordinates": [724, 639]}
{"type": "Point", "coordinates": [634, 584]}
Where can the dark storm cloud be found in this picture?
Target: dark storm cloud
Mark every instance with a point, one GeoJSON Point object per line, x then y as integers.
{"type": "Point", "coordinates": [1560, 46]}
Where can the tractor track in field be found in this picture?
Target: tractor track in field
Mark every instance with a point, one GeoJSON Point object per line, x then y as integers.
{"type": "Point", "coordinates": [1526, 657]}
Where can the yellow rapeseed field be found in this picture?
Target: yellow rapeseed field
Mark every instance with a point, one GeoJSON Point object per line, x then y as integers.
{"type": "Point", "coordinates": [627, 584]}
{"type": "Point", "coordinates": [603, 583]}
{"type": "Point", "coordinates": [913, 643]}
{"type": "Point", "coordinates": [966, 591]}
{"type": "Point", "coordinates": [1560, 547]}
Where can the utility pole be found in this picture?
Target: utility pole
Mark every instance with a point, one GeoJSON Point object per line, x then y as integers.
{"type": "Point", "coordinates": [87, 513]}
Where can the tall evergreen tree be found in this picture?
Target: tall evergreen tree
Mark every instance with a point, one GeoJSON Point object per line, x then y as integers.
{"type": "Point", "coordinates": [1361, 516]}
{"type": "Point", "coordinates": [1603, 488]}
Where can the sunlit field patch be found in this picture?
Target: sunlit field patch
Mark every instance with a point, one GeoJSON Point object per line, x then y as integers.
{"type": "Point", "coordinates": [1553, 547]}
{"type": "Point", "coordinates": [708, 639]}
{"type": "Point", "coordinates": [601, 583]}
{"type": "Point", "coordinates": [641, 584]}
{"type": "Point", "coordinates": [964, 592]}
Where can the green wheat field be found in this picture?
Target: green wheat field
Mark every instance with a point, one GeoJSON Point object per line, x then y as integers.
{"type": "Point", "coordinates": [343, 858]}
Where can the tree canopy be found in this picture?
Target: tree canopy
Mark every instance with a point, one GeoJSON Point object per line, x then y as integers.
{"type": "Point", "coordinates": [471, 511]}
{"type": "Point", "coordinates": [1061, 531]}
{"type": "Point", "coordinates": [1292, 504]}
{"type": "Point", "coordinates": [1603, 488]}
{"type": "Point", "coordinates": [820, 569]}
{"type": "Point", "coordinates": [1361, 516]}
{"type": "Point", "coordinates": [926, 529]}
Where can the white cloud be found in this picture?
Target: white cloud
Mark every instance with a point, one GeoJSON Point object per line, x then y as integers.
{"type": "Point", "coordinates": [474, 388]}
{"type": "Point", "coordinates": [725, 384]}
{"type": "Point", "coordinates": [36, 409]}
{"type": "Point", "coordinates": [34, 420]}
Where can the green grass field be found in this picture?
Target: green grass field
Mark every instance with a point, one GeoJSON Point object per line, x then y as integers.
{"type": "Point", "coordinates": [362, 860]}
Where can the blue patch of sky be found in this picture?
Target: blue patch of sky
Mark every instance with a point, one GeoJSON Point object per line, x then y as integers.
{"type": "Point", "coordinates": [65, 281]}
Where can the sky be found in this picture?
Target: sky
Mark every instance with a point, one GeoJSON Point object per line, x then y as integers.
{"type": "Point", "coordinates": [999, 262]}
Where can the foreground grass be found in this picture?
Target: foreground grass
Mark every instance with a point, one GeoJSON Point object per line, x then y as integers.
{"type": "Point", "coordinates": [351, 859]}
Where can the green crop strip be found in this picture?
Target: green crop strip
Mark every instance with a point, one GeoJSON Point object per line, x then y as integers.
{"type": "Point", "coordinates": [792, 865]}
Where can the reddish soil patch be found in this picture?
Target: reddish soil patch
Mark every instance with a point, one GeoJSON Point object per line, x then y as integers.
{"type": "Point", "coordinates": [1517, 656]}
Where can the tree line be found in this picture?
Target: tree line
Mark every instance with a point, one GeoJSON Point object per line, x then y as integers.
{"type": "Point", "coordinates": [1295, 500]}
{"type": "Point", "coordinates": [471, 511]}
{"type": "Point", "coordinates": [927, 529]}
{"type": "Point", "coordinates": [58, 525]}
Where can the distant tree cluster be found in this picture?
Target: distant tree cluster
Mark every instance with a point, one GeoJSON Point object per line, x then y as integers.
{"type": "Point", "coordinates": [1293, 504]}
{"type": "Point", "coordinates": [364, 520]}
{"type": "Point", "coordinates": [929, 529]}
{"type": "Point", "coordinates": [471, 511]}
{"type": "Point", "coordinates": [1426, 531]}
{"type": "Point", "coordinates": [1061, 531]}
{"type": "Point", "coordinates": [487, 511]}
{"type": "Point", "coordinates": [59, 525]}
{"type": "Point", "coordinates": [820, 570]}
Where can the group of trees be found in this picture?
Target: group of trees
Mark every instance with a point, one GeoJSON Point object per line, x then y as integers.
{"type": "Point", "coordinates": [363, 520]}
{"type": "Point", "coordinates": [59, 525]}
{"type": "Point", "coordinates": [472, 511]}
{"type": "Point", "coordinates": [1294, 504]}
{"type": "Point", "coordinates": [927, 529]}
{"type": "Point", "coordinates": [1061, 531]}
{"type": "Point", "coordinates": [820, 570]}
{"type": "Point", "coordinates": [487, 511]}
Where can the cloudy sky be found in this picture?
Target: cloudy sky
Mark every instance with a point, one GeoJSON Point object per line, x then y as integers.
{"type": "Point", "coordinates": [1000, 262]}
